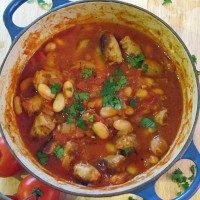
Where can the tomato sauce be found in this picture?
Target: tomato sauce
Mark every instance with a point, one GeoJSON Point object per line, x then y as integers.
{"type": "Point", "coordinates": [147, 97]}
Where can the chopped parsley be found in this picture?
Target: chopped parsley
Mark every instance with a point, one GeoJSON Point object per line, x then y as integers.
{"type": "Point", "coordinates": [194, 59]}
{"type": "Point", "coordinates": [91, 118]}
{"type": "Point", "coordinates": [147, 122]}
{"type": "Point", "coordinates": [55, 87]}
{"type": "Point", "coordinates": [182, 181]}
{"type": "Point", "coordinates": [133, 103]}
{"type": "Point", "coordinates": [166, 1]}
{"type": "Point", "coordinates": [69, 89]}
{"type": "Point", "coordinates": [81, 123]}
{"type": "Point", "coordinates": [59, 151]}
{"type": "Point", "coordinates": [131, 198]}
{"type": "Point", "coordinates": [193, 170]}
{"type": "Point", "coordinates": [87, 72]}
{"type": "Point", "coordinates": [42, 157]}
{"type": "Point", "coordinates": [127, 150]}
{"type": "Point", "coordinates": [81, 96]}
{"type": "Point", "coordinates": [112, 85]}
{"type": "Point", "coordinates": [70, 119]}
{"type": "Point", "coordinates": [145, 68]}
{"type": "Point", "coordinates": [135, 61]}
{"type": "Point", "coordinates": [76, 109]}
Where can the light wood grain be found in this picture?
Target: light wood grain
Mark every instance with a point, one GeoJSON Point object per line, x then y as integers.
{"type": "Point", "coordinates": [182, 15]}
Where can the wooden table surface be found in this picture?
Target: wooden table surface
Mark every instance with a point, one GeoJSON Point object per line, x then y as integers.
{"type": "Point", "coordinates": [182, 15]}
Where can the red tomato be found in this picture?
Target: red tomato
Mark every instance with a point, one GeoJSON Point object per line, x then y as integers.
{"type": "Point", "coordinates": [29, 183]}
{"type": "Point", "coordinates": [8, 165]}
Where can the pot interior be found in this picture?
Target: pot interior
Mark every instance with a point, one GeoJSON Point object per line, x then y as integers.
{"type": "Point", "coordinates": [89, 12]}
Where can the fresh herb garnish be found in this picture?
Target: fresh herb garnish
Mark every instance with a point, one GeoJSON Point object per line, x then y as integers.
{"type": "Point", "coordinates": [147, 122]}
{"type": "Point", "coordinates": [91, 118]}
{"type": "Point", "coordinates": [193, 170]}
{"type": "Point", "coordinates": [145, 68]}
{"type": "Point", "coordinates": [42, 157]}
{"type": "Point", "coordinates": [112, 85]}
{"type": "Point", "coordinates": [81, 123]}
{"type": "Point", "coordinates": [76, 109]}
{"type": "Point", "coordinates": [131, 198]}
{"type": "Point", "coordinates": [87, 72]}
{"type": "Point", "coordinates": [127, 150]}
{"type": "Point", "coordinates": [55, 87]}
{"type": "Point", "coordinates": [69, 89]}
{"type": "Point", "coordinates": [182, 181]}
{"type": "Point", "coordinates": [194, 59]}
{"type": "Point", "coordinates": [166, 1]}
{"type": "Point", "coordinates": [59, 151]}
{"type": "Point", "coordinates": [135, 61]}
{"type": "Point", "coordinates": [70, 119]}
{"type": "Point", "coordinates": [133, 103]}
{"type": "Point", "coordinates": [81, 96]}
{"type": "Point", "coordinates": [43, 4]}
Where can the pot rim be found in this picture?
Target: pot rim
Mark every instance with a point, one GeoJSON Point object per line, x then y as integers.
{"type": "Point", "coordinates": [172, 161]}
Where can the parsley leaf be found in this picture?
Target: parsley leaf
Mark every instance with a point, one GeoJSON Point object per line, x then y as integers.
{"type": "Point", "coordinates": [69, 89]}
{"type": "Point", "coordinates": [112, 85]}
{"type": "Point", "coordinates": [87, 72]}
{"type": "Point", "coordinates": [59, 151]}
{"type": "Point", "coordinates": [145, 68]}
{"type": "Point", "coordinates": [135, 61]}
{"type": "Point", "coordinates": [76, 109]}
{"type": "Point", "coordinates": [146, 122]}
{"type": "Point", "coordinates": [81, 95]}
{"type": "Point", "coordinates": [194, 59]}
{"type": "Point", "coordinates": [112, 101]}
{"type": "Point", "coordinates": [133, 103]}
{"type": "Point", "coordinates": [70, 120]}
{"type": "Point", "coordinates": [131, 198]}
{"type": "Point", "coordinates": [81, 123]}
{"type": "Point", "coordinates": [55, 87]}
{"type": "Point", "coordinates": [166, 1]}
{"type": "Point", "coordinates": [44, 5]}
{"type": "Point", "coordinates": [91, 118]}
{"type": "Point", "coordinates": [127, 150]}
{"type": "Point", "coordinates": [193, 170]}
{"type": "Point", "coordinates": [37, 192]}
{"type": "Point", "coordinates": [42, 157]}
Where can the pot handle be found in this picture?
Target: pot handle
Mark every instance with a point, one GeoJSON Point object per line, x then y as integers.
{"type": "Point", "coordinates": [192, 154]}
{"type": "Point", "coordinates": [7, 17]}
{"type": "Point", "coordinates": [10, 10]}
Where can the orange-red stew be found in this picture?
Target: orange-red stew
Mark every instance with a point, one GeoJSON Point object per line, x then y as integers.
{"type": "Point", "coordinates": [98, 104]}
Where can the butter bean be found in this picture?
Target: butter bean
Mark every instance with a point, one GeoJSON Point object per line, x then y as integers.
{"type": "Point", "coordinates": [59, 103]}
{"type": "Point", "coordinates": [108, 112]}
{"type": "Point", "coordinates": [17, 105]}
{"type": "Point", "coordinates": [100, 130]}
{"type": "Point", "coordinates": [45, 92]}
{"type": "Point", "coordinates": [68, 89]}
{"type": "Point", "coordinates": [123, 125]}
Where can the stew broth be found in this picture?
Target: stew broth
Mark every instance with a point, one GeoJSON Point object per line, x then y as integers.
{"type": "Point", "coordinates": [98, 104]}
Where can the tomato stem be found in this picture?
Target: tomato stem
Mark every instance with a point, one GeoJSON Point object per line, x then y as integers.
{"type": "Point", "coordinates": [35, 192]}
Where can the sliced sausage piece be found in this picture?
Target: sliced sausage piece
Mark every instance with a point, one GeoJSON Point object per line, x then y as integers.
{"type": "Point", "coordinates": [130, 47]}
{"type": "Point", "coordinates": [111, 49]}
{"type": "Point", "coordinates": [42, 126]}
{"type": "Point", "coordinates": [50, 146]}
{"type": "Point", "coordinates": [114, 161]}
{"type": "Point", "coordinates": [158, 146]}
{"type": "Point", "coordinates": [70, 150]}
{"type": "Point", "coordinates": [32, 105]}
{"type": "Point", "coordinates": [126, 141]}
{"type": "Point", "coordinates": [86, 172]}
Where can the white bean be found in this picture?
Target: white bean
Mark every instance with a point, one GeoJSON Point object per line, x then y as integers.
{"type": "Point", "coordinates": [45, 92]}
{"type": "Point", "coordinates": [108, 112]}
{"type": "Point", "coordinates": [100, 130]}
{"type": "Point", "coordinates": [51, 46]}
{"type": "Point", "coordinates": [123, 125]}
{"type": "Point", "coordinates": [59, 103]}
{"type": "Point", "coordinates": [17, 105]}
{"type": "Point", "coordinates": [68, 89]}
